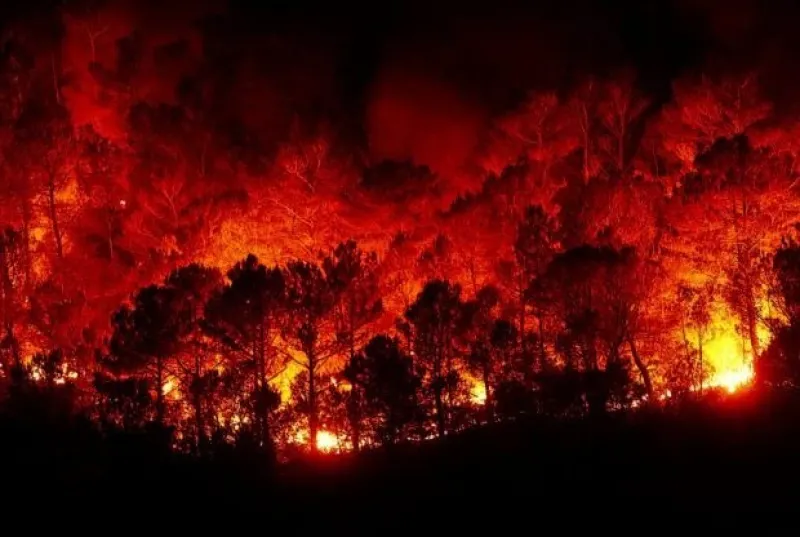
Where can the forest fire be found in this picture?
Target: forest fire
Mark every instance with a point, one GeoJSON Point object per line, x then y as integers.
{"type": "Point", "coordinates": [733, 379]}
{"type": "Point", "coordinates": [193, 245]}
{"type": "Point", "coordinates": [731, 368]}
{"type": "Point", "coordinates": [326, 442]}
{"type": "Point", "coordinates": [477, 393]}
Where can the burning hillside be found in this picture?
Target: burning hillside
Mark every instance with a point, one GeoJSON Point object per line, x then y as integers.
{"type": "Point", "coordinates": [202, 230]}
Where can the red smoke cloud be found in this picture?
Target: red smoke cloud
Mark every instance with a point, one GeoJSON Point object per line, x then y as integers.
{"type": "Point", "coordinates": [415, 117]}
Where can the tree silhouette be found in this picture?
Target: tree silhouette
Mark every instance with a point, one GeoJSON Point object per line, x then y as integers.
{"type": "Point", "coordinates": [11, 278]}
{"type": "Point", "coordinates": [353, 277]}
{"type": "Point", "coordinates": [599, 303]}
{"type": "Point", "coordinates": [310, 301]}
{"type": "Point", "coordinates": [779, 365]}
{"type": "Point", "coordinates": [620, 110]}
{"type": "Point", "coordinates": [123, 402]}
{"type": "Point", "coordinates": [193, 285]}
{"type": "Point", "coordinates": [535, 245]}
{"type": "Point", "coordinates": [696, 319]}
{"type": "Point", "coordinates": [246, 316]}
{"type": "Point", "coordinates": [435, 319]}
{"type": "Point", "coordinates": [46, 145]}
{"type": "Point", "coordinates": [483, 358]}
{"type": "Point", "coordinates": [146, 335]}
{"type": "Point", "coordinates": [100, 171]}
{"type": "Point", "coordinates": [389, 385]}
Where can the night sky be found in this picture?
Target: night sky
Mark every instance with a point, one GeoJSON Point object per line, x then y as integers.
{"type": "Point", "coordinates": [510, 44]}
{"type": "Point", "coordinates": [392, 73]}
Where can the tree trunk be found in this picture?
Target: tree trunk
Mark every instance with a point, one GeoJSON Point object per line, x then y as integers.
{"type": "Point", "coordinates": [7, 288]}
{"type": "Point", "coordinates": [26, 243]}
{"type": "Point", "coordinates": [53, 214]}
{"type": "Point", "coordinates": [160, 403]}
{"type": "Point", "coordinates": [352, 401]}
{"type": "Point", "coordinates": [14, 345]}
{"type": "Point", "coordinates": [355, 437]}
{"type": "Point", "coordinates": [745, 267]}
{"type": "Point", "coordinates": [438, 384]}
{"type": "Point", "coordinates": [542, 351]}
{"type": "Point", "coordinates": [440, 419]}
{"type": "Point", "coordinates": [487, 403]}
{"type": "Point", "coordinates": [262, 387]}
{"type": "Point", "coordinates": [391, 430]}
{"type": "Point", "coordinates": [686, 348]}
{"type": "Point", "coordinates": [313, 416]}
{"type": "Point", "coordinates": [197, 402]}
{"type": "Point", "coordinates": [198, 419]}
{"type": "Point", "coordinates": [648, 385]}
{"type": "Point", "coordinates": [752, 330]}
{"type": "Point", "coordinates": [700, 359]}
{"type": "Point", "coordinates": [355, 424]}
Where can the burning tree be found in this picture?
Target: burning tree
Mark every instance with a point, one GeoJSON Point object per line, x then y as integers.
{"type": "Point", "coordinates": [598, 243]}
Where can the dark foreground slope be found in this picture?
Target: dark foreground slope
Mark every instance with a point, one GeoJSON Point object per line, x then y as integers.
{"type": "Point", "coordinates": [723, 457]}
{"type": "Point", "coordinates": [737, 456]}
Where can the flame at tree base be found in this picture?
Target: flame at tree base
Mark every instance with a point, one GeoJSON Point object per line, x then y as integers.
{"type": "Point", "coordinates": [728, 357]}
{"type": "Point", "coordinates": [326, 441]}
{"type": "Point", "coordinates": [733, 379]}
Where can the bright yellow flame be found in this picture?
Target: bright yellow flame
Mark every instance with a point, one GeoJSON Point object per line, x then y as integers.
{"type": "Point", "coordinates": [477, 393]}
{"type": "Point", "coordinates": [477, 390]}
{"type": "Point", "coordinates": [327, 442]}
{"type": "Point", "coordinates": [733, 379]}
{"type": "Point", "coordinates": [731, 362]}
{"type": "Point", "coordinates": [730, 355]}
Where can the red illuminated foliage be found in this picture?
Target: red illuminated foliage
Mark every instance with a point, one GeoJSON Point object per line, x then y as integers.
{"type": "Point", "coordinates": [585, 249]}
